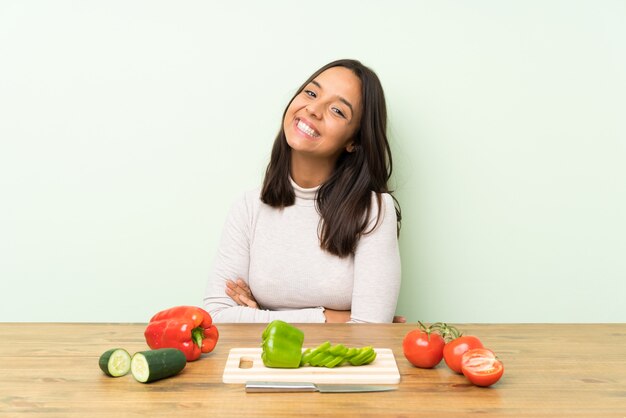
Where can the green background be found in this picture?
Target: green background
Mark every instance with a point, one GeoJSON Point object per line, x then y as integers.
{"type": "Point", "coordinates": [128, 128]}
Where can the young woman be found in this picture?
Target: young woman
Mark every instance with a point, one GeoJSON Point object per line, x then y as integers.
{"type": "Point", "coordinates": [318, 242]}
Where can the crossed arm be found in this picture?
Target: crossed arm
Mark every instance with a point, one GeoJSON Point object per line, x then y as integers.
{"type": "Point", "coordinates": [240, 292]}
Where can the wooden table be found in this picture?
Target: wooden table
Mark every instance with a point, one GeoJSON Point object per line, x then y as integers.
{"type": "Point", "coordinates": [562, 370]}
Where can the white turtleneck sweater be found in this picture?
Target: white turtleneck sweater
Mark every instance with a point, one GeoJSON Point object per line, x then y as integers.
{"type": "Point", "coordinates": [278, 254]}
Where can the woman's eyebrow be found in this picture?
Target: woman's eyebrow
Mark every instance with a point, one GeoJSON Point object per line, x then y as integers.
{"type": "Point", "coordinates": [341, 99]}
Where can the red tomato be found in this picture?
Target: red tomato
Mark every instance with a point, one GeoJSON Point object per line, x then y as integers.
{"type": "Point", "coordinates": [423, 349]}
{"type": "Point", "coordinates": [481, 367]}
{"type": "Point", "coordinates": [454, 350]}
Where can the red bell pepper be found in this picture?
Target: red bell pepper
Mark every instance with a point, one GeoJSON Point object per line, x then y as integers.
{"type": "Point", "coordinates": [187, 328]}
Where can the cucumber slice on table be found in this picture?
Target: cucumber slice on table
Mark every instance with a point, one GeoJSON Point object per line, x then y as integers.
{"type": "Point", "coordinates": [115, 362]}
{"type": "Point", "coordinates": [148, 366]}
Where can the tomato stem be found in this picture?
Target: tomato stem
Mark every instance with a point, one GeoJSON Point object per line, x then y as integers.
{"type": "Point", "coordinates": [448, 332]}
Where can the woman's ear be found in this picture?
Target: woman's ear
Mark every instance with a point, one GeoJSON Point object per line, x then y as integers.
{"type": "Point", "coordinates": [350, 147]}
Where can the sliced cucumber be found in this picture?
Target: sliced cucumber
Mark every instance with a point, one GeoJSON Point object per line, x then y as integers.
{"type": "Point", "coordinates": [115, 362]}
{"type": "Point", "coordinates": [148, 366]}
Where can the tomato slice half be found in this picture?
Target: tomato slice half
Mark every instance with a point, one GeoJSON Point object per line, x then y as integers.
{"type": "Point", "coordinates": [481, 367]}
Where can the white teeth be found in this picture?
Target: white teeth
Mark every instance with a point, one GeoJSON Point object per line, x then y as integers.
{"type": "Point", "coordinates": [307, 129]}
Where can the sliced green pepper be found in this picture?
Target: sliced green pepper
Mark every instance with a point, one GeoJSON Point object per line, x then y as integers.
{"type": "Point", "coordinates": [282, 345]}
{"type": "Point", "coordinates": [327, 355]}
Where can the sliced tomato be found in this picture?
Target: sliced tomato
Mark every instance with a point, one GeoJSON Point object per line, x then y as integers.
{"type": "Point", "coordinates": [454, 350]}
{"type": "Point", "coordinates": [481, 367]}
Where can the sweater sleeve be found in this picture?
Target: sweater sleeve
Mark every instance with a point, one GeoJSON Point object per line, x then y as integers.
{"type": "Point", "coordinates": [377, 268]}
{"type": "Point", "coordinates": [232, 261]}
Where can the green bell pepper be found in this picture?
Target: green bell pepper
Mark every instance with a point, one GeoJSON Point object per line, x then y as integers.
{"type": "Point", "coordinates": [282, 345]}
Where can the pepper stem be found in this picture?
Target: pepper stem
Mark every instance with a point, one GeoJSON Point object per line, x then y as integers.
{"type": "Point", "coordinates": [197, 335]}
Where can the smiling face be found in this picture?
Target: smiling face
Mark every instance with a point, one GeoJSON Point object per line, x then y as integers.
{"type": "Point", "coordinates": [322, 119]}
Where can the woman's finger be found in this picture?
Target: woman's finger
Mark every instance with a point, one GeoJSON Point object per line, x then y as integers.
{"type": "Point", "coordinates": [243, 288]}
{"type": "Point", "coordinates": [236, 288]}
{"type": "Point", "coordinates": [240, 293]}
{"type": "Point", "coordinates": [240, 298]}
{"type": "Point", "coordinates": [236, 297]}
{"type": "Point", "coordinates": [232, 294]}
{"type": "Point", "coordinates": [243, 291]}
{"type": "Point", "coordinates": [243, 285]}
{"type": "Point", "coordinates": [248, 302]}
{"type": "Point", "coordinates": [240, 290]}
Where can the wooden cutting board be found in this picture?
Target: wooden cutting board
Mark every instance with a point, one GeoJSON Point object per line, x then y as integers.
{"type": "Point", "coordinates": [245, 364]}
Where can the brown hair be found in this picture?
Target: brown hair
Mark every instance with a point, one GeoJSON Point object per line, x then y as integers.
{"type": "Point", "coordinates": [344, 200]}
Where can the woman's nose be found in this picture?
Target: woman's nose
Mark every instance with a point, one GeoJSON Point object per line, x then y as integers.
{"type": "Point", "coordinates": [314, 110]}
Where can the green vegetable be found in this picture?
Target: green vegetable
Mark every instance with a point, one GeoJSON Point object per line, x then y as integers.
{"type": "Point", "coordinates": [115, 362]}
{"type": "Point", "coordinates": [330, 356]}
{"type": "Point", "coordinates": [148, 366]}
{"type": "Point", "coordinates": [282, 345]}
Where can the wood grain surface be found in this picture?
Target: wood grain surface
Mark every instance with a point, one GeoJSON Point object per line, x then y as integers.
{"type": "Point", "coordinates": [551, 370]}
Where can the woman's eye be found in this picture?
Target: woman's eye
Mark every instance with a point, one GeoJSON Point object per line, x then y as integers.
{"type": "Point", "coordinates": [310, 93]}
{"type": "Point", "coordinates": [339, 112]}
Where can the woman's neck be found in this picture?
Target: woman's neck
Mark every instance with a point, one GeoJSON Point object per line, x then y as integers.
{"type": "Point", "coordinates": [309, 172]}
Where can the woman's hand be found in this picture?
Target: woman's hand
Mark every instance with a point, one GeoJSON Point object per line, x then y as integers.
{"type": "Point", "coordinates": [241, 293]}
{"type": "Point", "coordinates": [344, 316]}
{"type": "Point", "coordinates": [336, 316]}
